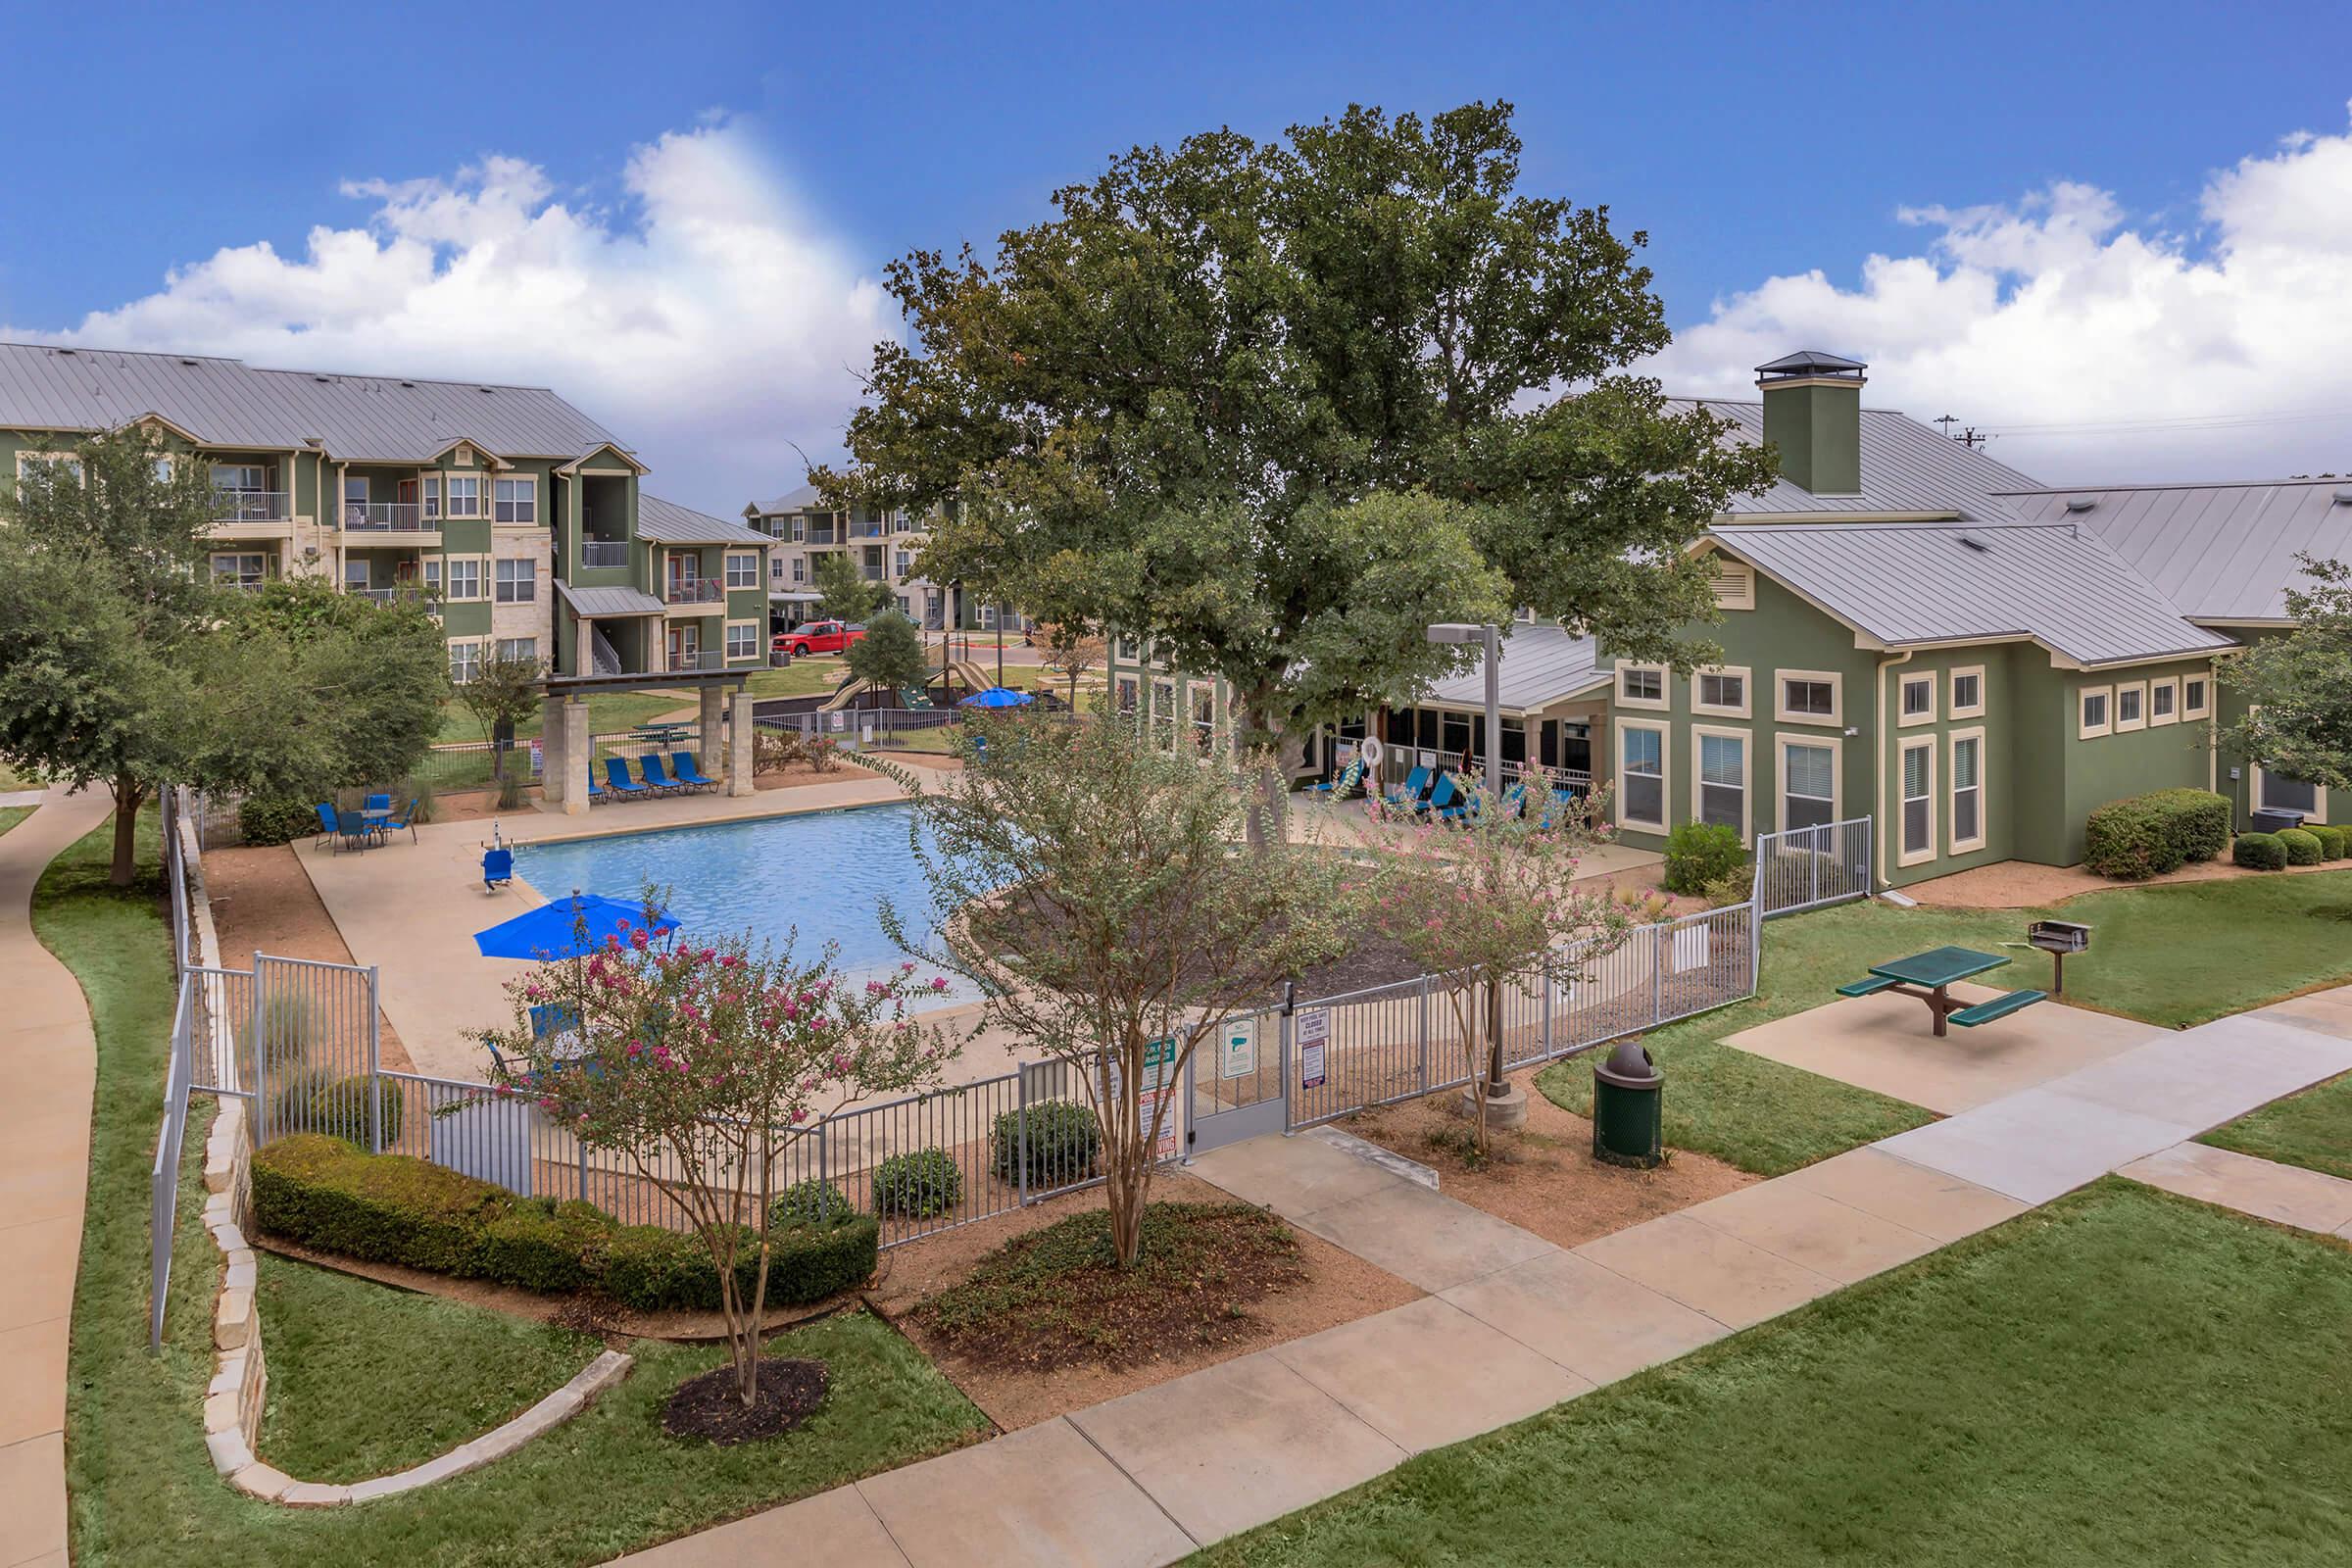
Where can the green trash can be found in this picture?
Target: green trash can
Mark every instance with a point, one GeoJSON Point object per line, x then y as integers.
{"type": "Point", "coordinates": [1625, 1109]}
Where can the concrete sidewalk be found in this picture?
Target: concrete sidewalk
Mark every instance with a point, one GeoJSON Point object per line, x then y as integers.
{"type": "Point", "coordinates": [51, 1064]}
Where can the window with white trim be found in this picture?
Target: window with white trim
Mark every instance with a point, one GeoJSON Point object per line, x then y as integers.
{"type": "Point", "coordinates": [517, 501]}
{"type": "Point", "coordinates": [800, 568]}
{"type": "Point", "coordinates": [1916, 700]}
{"type": "Point", "coordinates": [800, 529]}
{"type": "Point", "coordinates": [2275, 791]}
{"type": "Point", "coordinates": [1721, 691]}
{"type": "Point", "coordinates": [465, 494]}
{"type": "Point", "coordinates": [1642, 775]}
{"type": "Point", "coordinates": [902, 561]}
{"type": "Point", "coordinates": [247, 570]}
{"type": "Point", "coordinates": [1967, 692]}
{"type": "Point", "coordinates": [2097, 715]}
{"type": "Point", "coordinates": [743, 640]}
{"type": "Point", "coordinates": [1163, 714]}
{"type": "Point", "coordinates": [1808, 783]}
{"type": "Point", "coordinates": [1918, 772]}
{"type": "Point", "coordinates": [743, 570]}
{"type": "Point", "coordinates": [1127, 695]}
{"type": "Point", "coordinates": [465, 577]}
{"type": "Point", "coordinates": [517, 581]}
{"type": "Point", "coordinates": [2164, 700]}
{"type": "Point", "coordinates": [1968, 790]}
{"type": "Point", "coordinates": [1722, 782]}
{"type": "Point", "coordinates": [2196, 699]}
{"type": "Point", "coordinates": [1642, 685]}
{"type": "Point", "coordinates": [1809, 696]}
{"type": "Point", "coordinates": [511, 649]}
{"type": "Point", "coordinates": [428, 495]}
{"type": "Point", "coordinates": [465, 662]}
{"type": "Point", "coordinates": [2131, 706]}
{"type": "Point", "coordinates": [1131, 649]}
{"type": "Point", "coordinates": [432, 574]}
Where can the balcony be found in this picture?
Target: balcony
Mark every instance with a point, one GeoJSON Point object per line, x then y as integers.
{"type": "Point", "coordinates": [873, 573]}
{"type": "Point", "coordinates": [403, 521]}
{"type": "Point", "coordinates": [408, 595]}
{"type": "Point", "coordinates": [251, 505]}
{"type": "Point", "coordinates": [691, 591]}
{"type": "Point", "coordinates": [604, 552]}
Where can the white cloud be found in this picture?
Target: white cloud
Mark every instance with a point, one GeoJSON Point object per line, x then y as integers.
{"type": "Point", "coordinates": [710, 323]}
{"type": "Point", "coordinates": [2062, 311]}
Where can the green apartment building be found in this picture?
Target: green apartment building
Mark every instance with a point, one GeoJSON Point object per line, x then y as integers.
{"type": "Point", "coordinates": [1911, 632]}
{"type": "Point", "coordinates": [519, 520]}
{"type": "Point", "coordinates": [884, 547]}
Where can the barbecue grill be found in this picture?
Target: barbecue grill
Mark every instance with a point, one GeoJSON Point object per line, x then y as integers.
{"type": "Point", "coordinates": [2058, 938]}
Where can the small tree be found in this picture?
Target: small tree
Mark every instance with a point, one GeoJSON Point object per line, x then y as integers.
{"type": "Point", "coordinates": [1075, 648]}
{"type": "Point", "coordinates": [1086, 885]}
{"type": "Point", "coordinates": [1490, 903]}
{"type": "Point", "coordinates": [843, 592]}
{"type": "Point", "coordinates": [890, 654]}
{"type": "Point", "coordinates": [711, 1060]}
{"type": "Point", "coordinates": [2298, 688]}
{"type": "Point", "coordinates": [502, 692]}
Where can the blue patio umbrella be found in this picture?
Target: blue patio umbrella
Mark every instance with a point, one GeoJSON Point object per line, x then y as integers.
{"type": "Point", "coordinates": [997, 696]}
{"type": "Point", "coordinates": [550, 930]}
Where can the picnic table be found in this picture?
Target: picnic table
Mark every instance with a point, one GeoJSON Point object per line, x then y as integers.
{"type": "Point", "coordinates": [1930, 976]}
{"type": "Point", "coordinates": [660, 735]}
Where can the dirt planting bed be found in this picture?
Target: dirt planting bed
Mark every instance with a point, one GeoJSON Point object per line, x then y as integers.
{"type": "Point", "coordinates": [262, 902]}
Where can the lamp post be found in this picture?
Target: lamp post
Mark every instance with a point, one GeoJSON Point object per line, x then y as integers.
{"type": "Point", "coordinates": [1490, 638]}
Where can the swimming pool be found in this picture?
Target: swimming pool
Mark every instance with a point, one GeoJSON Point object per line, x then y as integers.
{"type": "Point", "coordinates": [824, 872]}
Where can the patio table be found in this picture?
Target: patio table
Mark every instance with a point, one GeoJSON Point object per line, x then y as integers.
{"type": "Point", "coordinates": [1929, 976]}
{"type": "Point", "coordinates": [664, 736]}
{"type": "Point", "coordinates": [378, 821]}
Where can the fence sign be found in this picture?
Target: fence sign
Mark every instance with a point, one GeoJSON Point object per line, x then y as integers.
{"type": "Point", "coordinates": [538, 758]}
{"type": "Point", "coordinates": [1148, 1106]}
{"type": "Point", "coordinates": [1160, 1068]}
{"type": "Point", "coordinates": [1313, 1033]}
{"type": "Point", "coordinates": [1237, 1051]}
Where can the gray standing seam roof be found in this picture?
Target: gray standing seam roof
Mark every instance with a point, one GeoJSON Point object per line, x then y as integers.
{"type": "Point", "coordinates": [1906, 467]}
{"type": "Point", "coordinates": [666, 523]}
{"type": "Point", "coordinates": [1541, 664]}
{"type": "Point", "coordinates": [228, 402]}
{"type": "Point", "coordinates": [2221, 552]}
{"type": "Point", "coordinates": [590, 602]}
{"type": "Point", "coordinates": [1942, 582]}
{"type": "Point", "coordinates": [801, 500]}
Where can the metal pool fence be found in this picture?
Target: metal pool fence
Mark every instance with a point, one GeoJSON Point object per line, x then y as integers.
{"type": "Point", "coordinates": [1808, 867]}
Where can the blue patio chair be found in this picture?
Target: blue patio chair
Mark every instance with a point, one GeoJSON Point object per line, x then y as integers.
{"type": "Point", "coordinates": [687, 772]}
{"type": "Point", "coordinates": [1407, 796]}
{"type": "Point", "coordinates": [554, 1018]}
{"type": "Point", "coordinates": [656, 776]}
{"type": "Point", "coordinates": [1440, 798]}
{"type": "Point", "coordinates": [379, 803]}
{"type": "Point", "coordinates": [407, 820]}
{"type": "Point", "coordinates": [498, 868]}
{"type": "Point", "coordinates": [328, 827]}
{"type": "Point", "coordinates": [617, 781]}
{"type": "Point", "coordinates": [597, 792]}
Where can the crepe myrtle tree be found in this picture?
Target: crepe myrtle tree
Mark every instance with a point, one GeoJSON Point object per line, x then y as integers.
{"type": "Point", "coordinates": [2298, 688]}
{"type": "Point", "coordinates": [1278, 407]}
{"type": "Point", "coordinates": [1087, 885]}
{"type": "Point", "coordinates": [713, 1059]}
{"type": "Point", "coordinates": [1488, 903]}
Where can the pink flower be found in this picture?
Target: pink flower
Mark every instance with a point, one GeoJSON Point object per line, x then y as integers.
{"type": "Point", "coordinates": [939, 982]}
{"type": "Point", "coordinates": [875, 988]}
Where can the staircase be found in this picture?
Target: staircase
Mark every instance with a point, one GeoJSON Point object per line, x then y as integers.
{"type": "Point", "coordinates": [601, 651]}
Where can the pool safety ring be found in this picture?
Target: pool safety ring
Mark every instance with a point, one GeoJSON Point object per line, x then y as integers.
{"type": "Point", "coordinates": [1370, 751]}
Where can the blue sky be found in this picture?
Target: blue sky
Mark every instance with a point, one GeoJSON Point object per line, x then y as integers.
{"type": "Point", "coordinates": [1757, 145]}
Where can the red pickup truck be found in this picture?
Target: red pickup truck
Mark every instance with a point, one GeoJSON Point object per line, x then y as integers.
{"type": "Point", "coordinates": [818, 637]}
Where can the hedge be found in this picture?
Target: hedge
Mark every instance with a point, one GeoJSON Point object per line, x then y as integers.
{"type": "Point", "coordinates": [2261, 851]}
{"type": "Point", "coordinates": [324, 1193]}
{"type": "Point", "coordinates": [316, 1101]}
{"type": "Point", "coordinates": [261, 822]}
{"type": "Point", "coordinates": [1698, 853]}
{"type": "Point", "coordinates": [2333, 841]}
{"type": "Point", "coordinates": [918, 1185]}
{"type": "Point", "coordinates": [1065, 1140]}
{"type": "Point", "coordinates": [2302, 847]}
{"type": "Point", "coordinates": [2148, 835]}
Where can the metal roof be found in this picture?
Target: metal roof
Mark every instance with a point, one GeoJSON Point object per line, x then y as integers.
{"type": "Point", "coordinates": [1806, 362]}
{"type": "Point", "coordinates": [666, 523]}
{"type": "Point", "coordinates": [592, 602]}
{"type": "Point", "coordinates": [805, 499]}
{"type": "Point", "coordinates": [1541, 664]}
{"type": "Point", "coordinates": [2221, 552]}
{"type": "Point", "coordinates": [228, 402]}
{"type": "Point", "coordinates": [1905, 583]}
{"type": "Point", "coordinates": [1907, 468]}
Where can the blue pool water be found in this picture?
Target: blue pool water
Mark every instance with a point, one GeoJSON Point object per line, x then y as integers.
{"type": "Point", "coordinates": [804, 879]}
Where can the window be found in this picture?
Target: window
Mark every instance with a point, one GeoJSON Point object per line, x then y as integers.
{"type": "Point", "coordinates": [517, 501]}
{"type": "Point", "coordinates": [428, 494]}
{"type": "Point", "coordinates": [1808, 782]}
{"type": "Point", "coordinates": [1968, 790]}
{"type": "Point", "coordinates": [1734, 585]}
{"type": "Point", "coordinates": [800, 568]}
{"type": "Point", "coordinates": [1811, 697]}
{"type": "Point", "coordinates": [743, 570]}
{"type": "Point", "coordinates": [2131, 706]}
{"type": "Point", "coordinates": [464, 578]}
{"type": "Point", "coordinates": [1919, 803]}
{"type": "Point", "coordinates": [2275, 791]}
{"type": "Point", "coordinates": [1131, 649]}
{"type": "Point", "coordinates": [2096, 716]}
{"type": "Point", "coordinates": [354, 502]}
{"type": "Point", "coordinates": [1721, 782]}
{"type": "Point", "coordinates": [2194, 702]}
{"type": "Point", "coordinates": [465, 662]}
{"type": "Point", "coordinates": [743, 640]}
{"type": "Point", "coordinates": [1968, 692]}
{"type": "Point", "coordinates": [27, 462]}
{"type": "Point", "coordinates": [1127, 695]}
{"type": "Point", "coordinates": [231, 478]}
{"type": "Point", "coordinates": [1204, 718]}
{"type": "Point", "coordinates": [511, 649]}
{"type": "Point", "coordinates": [1916, 700]}
{"type": "Point", "coordinates": [517, 581]}
{"type": "Point", "coordinates": [247, 570]}
{"type": "Point", "coordinates": [432, 574]}
{"type": "Point", "coordinates": [1642, 685]}
{"type": "Point", "coordinates": [355, 575]}
{"type": "Point", "coordinates": [1722, 691]}
{"type": "Point", "coordinates": [465, 494]}
{"type": "Point", "coordinates": [1163, 714]}
{"type": "Point", "coordinates": [1642, 775]}
{"type": "Point", "coordinates": [2164, 700]}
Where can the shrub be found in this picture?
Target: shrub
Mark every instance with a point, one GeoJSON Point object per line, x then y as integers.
{"type": "Point", "coordinates": [1064, 1141]}
{"type": "Point", "coordinates": [917, 1185]}
{"type": "Point", "coordinates": [288, 1026]}
{"type": "Point", "coordinates": [2302, 846]}
{"type": "Point", "coordinates": [1735, 886]}
{"type": "Point", "coordinates": [511, 790]}
{"type": "Point", "coordinates": [422, 792]}
{"type": "Point", "coordinates": [2148, 835]}
{"type": "Point", "coordinates": [2261, 851]}
{"type": "Point", "coordinates": [324, 1193]}
{"type": "Point", "coordinates": [1700, 853]}
{"type": "Point", "coordinates": [260, 821]}
{"type": "Point", "coordinates": [316, 1101]}
{"type": "Point", "coordinates": [812, 1199]}
{"type": "Point", "coordinates": [2333, 841]}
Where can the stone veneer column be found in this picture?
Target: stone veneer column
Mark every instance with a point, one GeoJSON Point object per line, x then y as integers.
{"type": "Point", "coordinates": [551, 751]}
{"type": "Point", "coordinates": [739, 747]}
{"type": "Point", "coordinates": [579, 757]}
{"type": "Point", "coordinates": [711, 732]}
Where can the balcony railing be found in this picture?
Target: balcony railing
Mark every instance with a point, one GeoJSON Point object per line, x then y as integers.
{"type": "Point", "coordinates": [387, 517]}
{"type": "Point", "coordinates": [694, 590]}
{"type": "Point", "coordinates": [873, 573]}
{"type": "Point", "coordinates": [250, 506]}
{"type": "Point", "coordinates": [604, 552]}
{"type": "Point", "coordinates": [679, 663]}
{"type": "Point", "coordinates": [407, 595]}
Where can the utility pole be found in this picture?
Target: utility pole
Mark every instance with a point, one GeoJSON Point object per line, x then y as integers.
{"type": "Point", "coordinates": [1947, 421]}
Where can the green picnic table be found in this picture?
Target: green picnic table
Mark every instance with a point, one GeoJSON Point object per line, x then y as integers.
{"type": "Point", "coordinates": [661, 736]}
{"type": "Point", "coordinates": [1930, 975]}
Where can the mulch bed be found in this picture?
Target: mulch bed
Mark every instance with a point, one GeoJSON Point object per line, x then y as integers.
{"type": "Point", "coordinates": [1057, 1296]}
{"type": "Point", "coordinates": [790, 1389]}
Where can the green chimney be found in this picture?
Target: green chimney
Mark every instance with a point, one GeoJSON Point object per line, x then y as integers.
{"type": "Point", "coordinates": [1813, 417]}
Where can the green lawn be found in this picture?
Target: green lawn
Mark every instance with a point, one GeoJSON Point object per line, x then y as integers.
{"type": "Point", "coordinates": [11, 815]}
{"type": "Point", "coordinates": [2122, 1376]}
{"type": "Point", "coordinates": [10, 780]}
{"type": "Point", "coordinates": [2171, 956]}
{"type": "Point", "coordinates": [143, 1490]}
{"type": "Point", "coordinates": [2312, 1129]}
{"type": "Point", "coordinates": [814, 676]}
{"type": "Point", "coordinates": [607, 714]}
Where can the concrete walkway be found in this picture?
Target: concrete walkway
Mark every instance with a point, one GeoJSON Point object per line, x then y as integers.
{"type": "Point", "coordinates": [2285, 1195]}
{"type": "Point", "coordinates": [50, 1062]}
{"type": "Point", "coordinates": [1513, 1324]}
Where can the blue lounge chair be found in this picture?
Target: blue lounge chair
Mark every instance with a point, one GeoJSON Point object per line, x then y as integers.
{"type": "Point", "coordinates": [597, 792]}
{"type": "Point", "coordinates": [688, 773]}
{"type": "Point", "coordinates": [1441, 799]}
{"type": "Point", "coordinates": [656, 778]}
{"type": "Point", "coordinates": [617, 781]}
{"type": "Point", "coordinates": [1344, 785]}
{"type": "Point", "coordinates": [498, 868]}
{"type": "Point", "coordinates": [328, 827]}
{"type": "Point", "coordinates": [1407, 796]}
